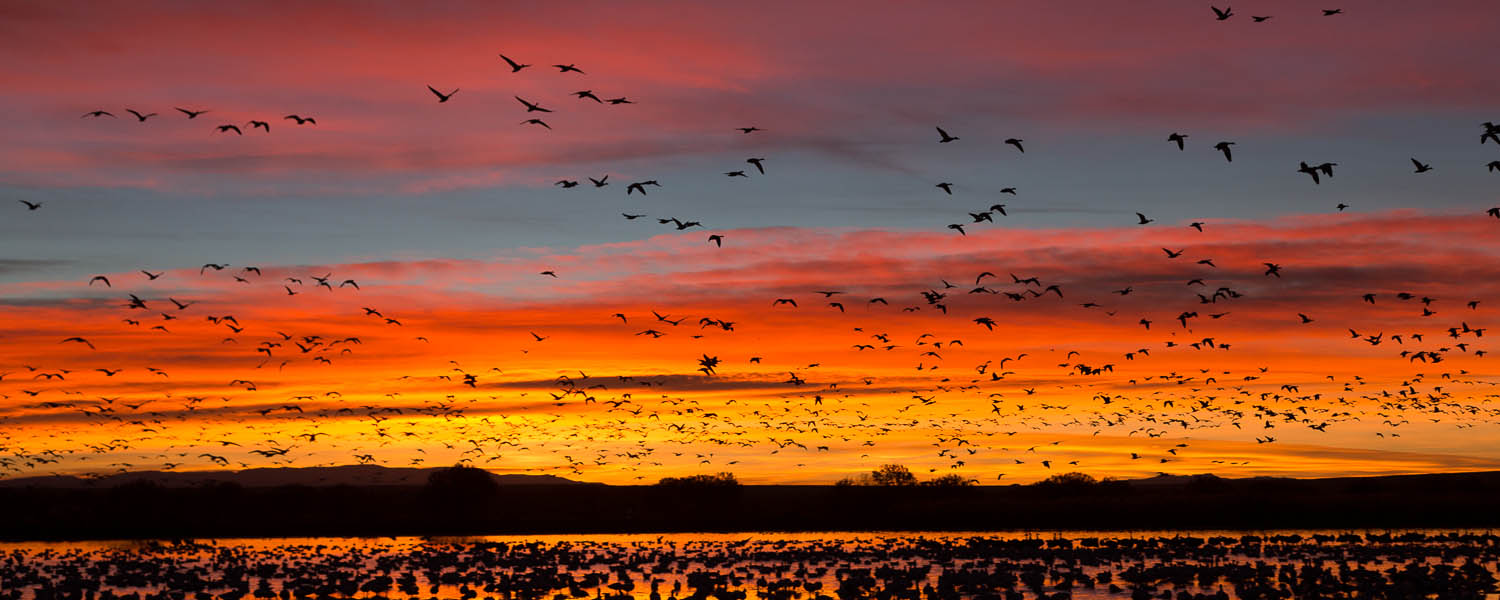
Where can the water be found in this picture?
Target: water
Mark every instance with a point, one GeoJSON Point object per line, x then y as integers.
{"type": "Point", "coordinates": [762, 566]}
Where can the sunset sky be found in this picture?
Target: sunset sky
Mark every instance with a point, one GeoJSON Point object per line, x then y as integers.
{"type": "Point", "coordinates": [445, 215]}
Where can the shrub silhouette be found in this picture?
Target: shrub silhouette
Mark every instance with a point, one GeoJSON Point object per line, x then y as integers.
{"type": "Point", "coordinates": [460, 489]}
{"type": "Point", "coordinates": [722, 479]}
{"type": "Point", "coordinates": [949, 481]}
{"type": "Point", "coordinates": [1071, 479]}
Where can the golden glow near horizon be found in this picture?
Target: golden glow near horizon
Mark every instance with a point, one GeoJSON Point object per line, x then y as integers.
{"type": "Point", "coordinates": [800, 394]}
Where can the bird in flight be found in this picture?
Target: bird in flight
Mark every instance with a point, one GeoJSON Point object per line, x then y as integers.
{"type": "Point", "coordinates": [531, 107]}
{"type": "Point", "coordinates": [140, 117]}
{"type": "Point", "coordinates": [104, 113]}
{"type": "Point", "coordinates": [30, 205]}
{"type": "Point", "coordinates": [441, 96]}
{"type": "Point", "coordinates": [1311, 171]}
{"type": "Point", "coordinates": [762, 168]}
{"type": "Point", "coordinates": [1421, 167]}
{"type": "Point", "coordinates": [1178, 138]}
{"type": "Point", "coordinates": [1223, 15]}
{"type": "Point", "coordinates": [566, 68]}
{"type": "Point", "coordinates": [1224, 147]}
{"type": "Point", "coordinates": [234, 128]}
{"type": "Point", "coordinates": [515, 67]}
{"type": "Point", "coordinates": [299, 119]}
{"type": "Point", "coordinates": [79, 340]}
{"type": "Point", "coordinates": [1017, 143]}
{"type": "Point", "coordinates": [750, 129]}
{"type": "Point", "coordinates": [1143, 219]}
{"type": "Point", "coordinates": [191, 114]}
{"type": "Point", "coordinates": [1259, 19]}
{"type": "Point", "coordinates": [945, 137]}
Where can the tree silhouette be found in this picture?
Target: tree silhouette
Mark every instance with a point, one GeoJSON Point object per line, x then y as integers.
{"type": "Point", "coordinates": [893, 475]}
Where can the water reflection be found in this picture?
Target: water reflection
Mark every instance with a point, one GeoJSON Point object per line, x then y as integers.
{"type": "Point", "coordinates": [768, 566]}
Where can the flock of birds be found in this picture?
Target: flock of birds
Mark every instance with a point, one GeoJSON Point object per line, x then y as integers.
{"type": "Point", "coordinates": [1272, 566]}
{"type": "Point", "coordinates": [619, 421]}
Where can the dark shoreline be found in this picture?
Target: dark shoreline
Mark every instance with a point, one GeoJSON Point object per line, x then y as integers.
{"type": "Point", "coordinates": [145, 510]}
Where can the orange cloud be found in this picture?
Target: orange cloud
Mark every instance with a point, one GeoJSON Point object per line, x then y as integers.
{"type": "Point", "coordinates": [1253, 391]}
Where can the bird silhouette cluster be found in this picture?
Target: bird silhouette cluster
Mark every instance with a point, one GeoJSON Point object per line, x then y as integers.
{"type": "Point", "coordinates": [970, 408]}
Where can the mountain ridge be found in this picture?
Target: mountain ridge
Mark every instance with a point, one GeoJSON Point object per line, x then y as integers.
{"type": "Point", "coordinates": [358, 475]}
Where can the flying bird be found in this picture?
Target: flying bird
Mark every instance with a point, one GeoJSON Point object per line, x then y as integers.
{"type": "Point", "coordinates": [441, 96]}
{"type": "Point", "coordinates": [531, 107]}
{"type": "Point", "coordinates": [1224, 147]}
{"type": "Point", "coordinates": [515, 67]}
{"type": "Point", "coordinates": [79, 340]}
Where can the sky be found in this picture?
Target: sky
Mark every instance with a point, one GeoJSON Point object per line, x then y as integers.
{"type": "Point", "coordinates": [433, 224]}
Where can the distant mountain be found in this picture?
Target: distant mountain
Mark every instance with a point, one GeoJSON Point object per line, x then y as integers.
{"type": "Point", "coordinates": [358, 475]}
{"type": "Point", "coordinates": [1175, 480]}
